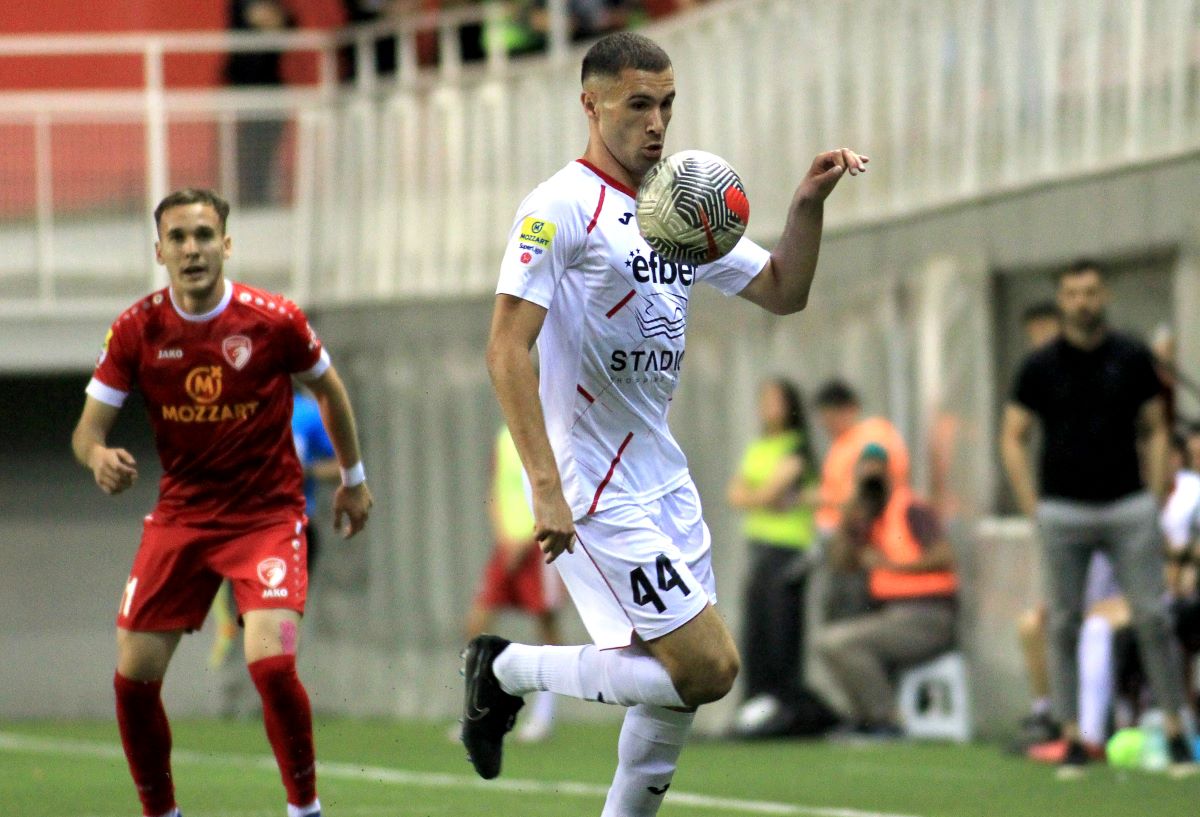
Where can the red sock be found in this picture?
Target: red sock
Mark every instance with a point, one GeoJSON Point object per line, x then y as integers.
{"type": "Point", "coordinates": [146, 736]}
{"type": "Point", "coordinates": [288, 718]}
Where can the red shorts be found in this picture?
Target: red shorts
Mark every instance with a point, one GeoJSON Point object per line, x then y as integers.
{"type": "Point", "coordinates": [178, 569]}
{"type": "Point", "coordinates": [533, 587]}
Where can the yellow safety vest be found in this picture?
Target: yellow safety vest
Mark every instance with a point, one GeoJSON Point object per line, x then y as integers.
{"type": "Point", "coordinates": [791, 528]}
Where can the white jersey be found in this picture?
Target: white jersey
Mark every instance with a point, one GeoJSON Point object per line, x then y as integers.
{"type": "Point", "coordinates": [612, 345]}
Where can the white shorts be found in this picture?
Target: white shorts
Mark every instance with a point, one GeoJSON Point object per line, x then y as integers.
{"type": "Point", "coordinates": [644, 569]}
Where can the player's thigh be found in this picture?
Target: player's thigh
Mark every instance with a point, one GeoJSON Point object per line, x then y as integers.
{"type": "Point", "coordinates": [170, 586]}
{"type": "Point", "coordinates": [266, 567]}
{"type": "Point", "coordinates": [145, 655]}
{"type": "Point", "coordinates": [271, 632]}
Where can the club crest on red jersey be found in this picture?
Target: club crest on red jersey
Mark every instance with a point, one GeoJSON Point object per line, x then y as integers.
{"type": "Point", "coordinates": [236, 349]}
{"type": "Point", "coordinates": [272, 571]}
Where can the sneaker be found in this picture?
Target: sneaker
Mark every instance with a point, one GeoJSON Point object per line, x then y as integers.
{"type": "Point", "coordinates": [1182, 763]}
{"type": "Point", "coordinates": [488, 711]}
{"type": "Point", "coordinates": [1036, 728]}
{"type": "Point", "coordinates": [1073, 766]}
{"type": "Point", "coordinates": [1055, 751]}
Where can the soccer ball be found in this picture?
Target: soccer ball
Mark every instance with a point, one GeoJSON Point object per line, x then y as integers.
{"type": "Point", "coordinates": [692, 207]}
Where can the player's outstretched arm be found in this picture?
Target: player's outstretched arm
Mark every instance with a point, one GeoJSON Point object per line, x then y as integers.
{"type": "Point", "coordinates": [783, 285]}
{"type": "Point", "coordinates": [516, 324]}
{"type": "Point", "coordinates": [352, 500]}
{"type": "Point", "coordinates": [114, 469]}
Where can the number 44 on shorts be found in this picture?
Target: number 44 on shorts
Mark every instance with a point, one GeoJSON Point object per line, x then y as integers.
{"type": "Point", "coordinates": [644, 592]}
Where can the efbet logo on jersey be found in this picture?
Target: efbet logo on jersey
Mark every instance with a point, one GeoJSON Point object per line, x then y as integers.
{"type": "Point", "coordinates": [204, 385]}
{"type": "Point", "coordinates": [271, 572]}
{"type": "Point", "coordinates": [658, 270]}
{"type": "Point", "coordinates": [535, 237]}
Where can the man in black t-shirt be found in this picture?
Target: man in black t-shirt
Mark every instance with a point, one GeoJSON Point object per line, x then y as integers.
{"type": "Point", "coordinates": [1091, 390]}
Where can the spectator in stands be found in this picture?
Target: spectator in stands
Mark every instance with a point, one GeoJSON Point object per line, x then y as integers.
{"type": "Point", "coordinates": [257, 139]}
{"type": "Point", "coordinates": [528, 31]}
{"type": "Point", "coordinates": [776, 488]}
{"type": "Point", "coordinates": [840, 411]}
{"type": "Point", "coordinates": [1041, 324]}
{"type": "Point", "coordinates": [1090, 389]}
{"type": "Point", "coordinates": [664, 8]}
{"type": "Point", "coordinates": [896, 538]}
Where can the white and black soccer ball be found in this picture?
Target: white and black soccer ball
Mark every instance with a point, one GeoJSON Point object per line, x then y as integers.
{"type": "Point", "coordinates": [692, 207]}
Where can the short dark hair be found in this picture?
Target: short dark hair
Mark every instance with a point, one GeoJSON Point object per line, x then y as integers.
{"type": "Point", "coordinates": [1039, 311]}
{"type": "Point", "coordinates": [836, 394]}
{"type": "Point", "coordinates": [1080, 266]}
{"type": "Point", "coordinates": [192, 195]}
{"type": "Point", "coordinates": [612, 54]}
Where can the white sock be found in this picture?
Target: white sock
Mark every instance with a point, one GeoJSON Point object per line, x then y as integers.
{"type": "Point", "coordinates": [1095, 678]}
{"type": "Point", "coordinates": [625, 677]}
{"type": "Point", "coordinates": [647, 752]}
{"type": "Point", "coordinates": [543, 707]}
{"type": "Point", "coordinates": [303, 811]}
{"type": "Point", "coordinates": [1041, 706]}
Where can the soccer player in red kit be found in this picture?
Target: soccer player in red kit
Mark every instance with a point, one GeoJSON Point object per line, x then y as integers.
{"type": "Point", "coordinates": [214, 361]}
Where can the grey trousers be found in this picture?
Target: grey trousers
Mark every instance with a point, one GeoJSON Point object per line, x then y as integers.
{"type": "Point", "coordinates": [862, 652]}
{"type": "Point", "coordinates": [1127, 530]}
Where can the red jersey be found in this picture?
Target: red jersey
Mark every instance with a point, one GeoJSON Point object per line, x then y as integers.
{"type": "Point", "coordinates": [218, 390]}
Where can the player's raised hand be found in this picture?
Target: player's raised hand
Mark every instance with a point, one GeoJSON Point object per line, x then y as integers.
{"type": "Point", "coordinates": [351, 507]}
{"type": "Point", "coordinates": [553, 524]}
{"type": "Point", "coordinates": [114, 469]}
{"type": "Point", "coordinates": [827, 170]}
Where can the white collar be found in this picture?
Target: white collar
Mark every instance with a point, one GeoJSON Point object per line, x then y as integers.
{"type": "Point", "coordinates": [210, 314]}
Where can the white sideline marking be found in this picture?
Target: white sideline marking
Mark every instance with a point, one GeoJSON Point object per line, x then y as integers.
{"type": "Point", "coordinates": [13, 742]}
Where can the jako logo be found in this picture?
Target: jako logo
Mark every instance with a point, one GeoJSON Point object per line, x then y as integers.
{"type": "Point", "coordinates": [170, 354]}
{"type": "Point", "coordinates": [203, 384]}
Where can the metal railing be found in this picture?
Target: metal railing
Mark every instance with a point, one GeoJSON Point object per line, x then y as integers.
{"type": "Point", "coordinates": [403, 185]}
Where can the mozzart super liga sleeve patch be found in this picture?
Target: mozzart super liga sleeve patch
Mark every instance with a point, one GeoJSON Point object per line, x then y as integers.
{"type": "Point", "coordinates": [534, 238]}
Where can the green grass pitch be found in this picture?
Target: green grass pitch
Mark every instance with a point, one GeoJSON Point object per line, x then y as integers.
{"type": "Point", "coordinates": [409, 769]}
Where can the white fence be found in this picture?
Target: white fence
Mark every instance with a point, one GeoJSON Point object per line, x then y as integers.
{"type": "Point", "coordinates": [403, 185]}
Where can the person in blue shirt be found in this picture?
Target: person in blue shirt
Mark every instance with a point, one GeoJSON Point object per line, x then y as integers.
{"type": "Point", "coordinates": [316, 457]}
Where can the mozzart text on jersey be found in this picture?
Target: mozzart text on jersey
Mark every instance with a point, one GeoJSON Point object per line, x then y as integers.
{"type": "Point", "coordinates": [216, 413]}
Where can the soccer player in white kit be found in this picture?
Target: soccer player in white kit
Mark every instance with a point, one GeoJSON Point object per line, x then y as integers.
{"type": "Point", "coordinates": [614, 505]}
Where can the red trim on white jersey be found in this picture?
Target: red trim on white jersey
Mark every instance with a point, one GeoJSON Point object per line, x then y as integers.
{"type": "Point", "coordinates": [624, 188]}
{"type": "Point", "coordinates": [608, 584]}
{"type": "Point", "coordinates": [585, 394]}
{"type": "Point", "coordinates": [620, 304]}
{"type": "Point", "coordinates": [607, 477]}
{"type": "Point", "coordinates": [596, 215]}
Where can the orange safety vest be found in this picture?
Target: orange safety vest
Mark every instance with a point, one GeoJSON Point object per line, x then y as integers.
{"type": "Point", "coordinates": [892, 535]}
{"type": "Point", "coordinates": [837, 473]}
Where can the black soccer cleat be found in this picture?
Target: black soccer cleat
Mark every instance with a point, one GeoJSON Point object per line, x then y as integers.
{"type": "Point", "coordinates": [1074, 764]}
{"type": "Point", "coordinates": [1181, 762]}
{"type": "Point", "coordinates": [488, 711]}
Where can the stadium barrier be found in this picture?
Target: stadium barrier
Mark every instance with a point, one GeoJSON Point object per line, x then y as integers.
{"type": "Point", "coordinates": [403, 185]}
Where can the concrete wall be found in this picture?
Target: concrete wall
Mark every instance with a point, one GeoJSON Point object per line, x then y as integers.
{"type": "Point", "coordinates": [902, 309]}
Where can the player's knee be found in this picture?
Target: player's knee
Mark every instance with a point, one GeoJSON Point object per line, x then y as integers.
{"type": "Point", "coordinates": [1030, 625]}
{"type": "Point", "coordinates": [709, 678]}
